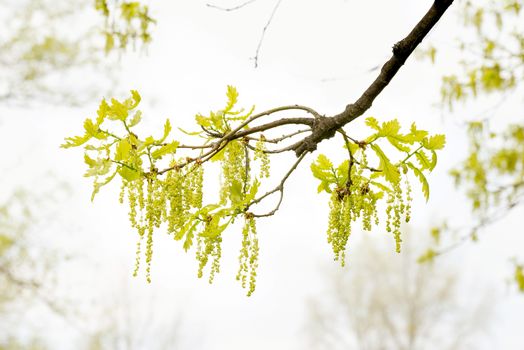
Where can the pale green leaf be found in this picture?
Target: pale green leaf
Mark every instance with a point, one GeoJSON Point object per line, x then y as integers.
{"type": "Point", "coordinates": [90, 127]}
{"type": "Point", "coordinates": [123, 148]}
{"type": "Point", "coordinates": [388, 170]}
{"type": "Point", "coordinates": [170, 148]}
{"type": "Point", "coordinates": [167, 130]}
{"type": "Point", "coordinates": [389, 128]}
{"type": "Point", "coordinates": [397, 143]}
{"type": "Point", "coordinates": [89, 161]}
{"type": "Point", "coordinates": [75, 141]}
{"type": "Point", "coordinates": [128, 174]}
{"type": "Point", "coordinates": [372, 123]}
{"type": "Point", "coordinates": [98, 185]}
{"type": "Point", "coordinates": [434, 142]}
{"type": "Point", "coordinates": [422, 179]}
{"type": "Point", "coordinates": [117, 111]}
{"type": "Point", "coordinates": [322, 169]}
{"type": "Point", "coordinates": [423, 160]}
{"type": "Point", "coordinates": [135, 119]}
{"type": "Point", "coordinates": [232, 97]}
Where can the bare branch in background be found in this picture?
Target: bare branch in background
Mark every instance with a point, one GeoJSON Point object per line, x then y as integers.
{"type": "Point", "coordinates": [268, 23]}
{"type": "Point", "coordinates": [266, 26]}
{"type": "Point", "coordinates": [231, 8]}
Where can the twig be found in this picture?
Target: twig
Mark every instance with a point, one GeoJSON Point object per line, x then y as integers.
{"type": "Point", "coordinates": [485, 221]}
{"type": "Point", "coordinates": [279, 139]}
{"type": "Point", "coordinates": [227, 9]}
{"type": "Point", "coordinates": [279, 188]}
{"type": "Point", "coordinates": [268, 23]}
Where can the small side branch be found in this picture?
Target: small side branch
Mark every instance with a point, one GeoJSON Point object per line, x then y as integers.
{"type": "Point", "coordinates": [279, 188]}
{"type": "Point", "coordinates": [268, 23]}
{"type": "Point", "coordinates": [228, 9]}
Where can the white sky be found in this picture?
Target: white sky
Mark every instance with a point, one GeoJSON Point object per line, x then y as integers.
{"type": "Point", "coordinates": [195, 53]}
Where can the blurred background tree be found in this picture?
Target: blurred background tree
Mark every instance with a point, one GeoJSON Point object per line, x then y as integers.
{"type": "Point", "coordinates": [385, 301]}
{"type": "Point", "coordinates": [491, 68]}
{"type": "Point", "coordinates": [43, 60]}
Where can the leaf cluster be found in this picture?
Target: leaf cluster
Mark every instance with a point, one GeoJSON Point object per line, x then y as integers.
{"type": "Point", "coordinates": [356, 187]}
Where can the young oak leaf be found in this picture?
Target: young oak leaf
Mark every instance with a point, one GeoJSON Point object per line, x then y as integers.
{"type": "Point", "coordinates": [170, 148]}
{"type": "Point", "coordinates": [423, 160]}
{"type": "Point", "coordinates": [388, 170]}
{"type": "Point", "coordinates": [167, 130]}
{"type": "Point", "coordinates": [98, 185]}
{"type": "Point", "coordinates": [434, 142]}
{"type": "Point", "coordinates": [322, 169]}
{"type": "Point", "coordinates": [123, 148]}
{"type": "Point", "coordinates": [389, 128]}
{"type": "Point", "coordinates": [422, 179]}
{"type": "Point", "coordinates": [232, 98]}
{"type": "Point", "coordinates": [372, 123]}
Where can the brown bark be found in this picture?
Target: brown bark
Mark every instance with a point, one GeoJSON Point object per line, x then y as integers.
{"type": "Point", "coordinates": [325, 127]}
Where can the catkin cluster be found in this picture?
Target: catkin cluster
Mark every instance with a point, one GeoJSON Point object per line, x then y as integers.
{"type": "Point", "coordinates": [248, 257]}
{"type": "Point", "coordinates": [262, 156]}
{"type": "Point", "coordinates": [347, 204]}
{"type": "Point", "coordinates": [235, 171]}
{"type": "Point", "coordinates": [147, 209]}
{"type": "Point", "coordinates": [153, 200]}
{"type": "Point", "coordinates": [209, 245]}
{"type": "Point", "coordinates": [398, 205]}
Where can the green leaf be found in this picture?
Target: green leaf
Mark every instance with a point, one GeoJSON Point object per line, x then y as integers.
{"type": "Point", "coordinates": [398, 144]}
{"type": "Point", "coordinates": [190, 133]}
{"type": "Point", "coordinates": [203, 121]}
{"type": "Point", "coordinates": [417, 135]}
{"type": "Point", "coordinates": [433, 160]}
{"type": "Point", "coordinates": [388, 170]}
{"type": "Point", "coordinates": [434, 142]}
{"type": "Point", "coordinates": [98, 185]}
{"type": "Point", "coordinates": [128, 174]}
{"type": "Point", "coordinates": [123, 148]}
{"type": "Point", "coordinates": [236, 194]}
{"type": "Point", "coordinates": [253, 190]}
{"type": "Point", "coordinates": [75, 141]}
{"type": "Point", "coordinates": [170, 148]}
{"type": "Point", "coordinates": [353, 147]}
{"type": "Point", "coordinates": [372, 123]}
{"type": "Point", "coordinates": [189, 237]}
{"type": "Point", "coordinates": [190, 226]}
{"type": "Point", "coordinates": [324, 163]}
{"type": "Point", "coordinates": [101, 167]}
{"type": "Point", "coordinates": [219, 230]}
{"type": "Point", "coordinates": [90, 128]}
{"type": "Point", "coordinates": [381, 186]}
{"type": "Point", "coordinates": [323, 170]}
{"type": "Point", "coordinates": [117, 111]}
{"type": "Point", "coordinates": [135, 99]}
{"type": "Point", "coordinates": [136, 119]}
{"type": "Point", "coordinates": [232, 98]}
{"type": "Point", "coordinates": [324, 186]}
{"type": "Point", "coordinates": [102, 112]}
{"type": "Point", "coordinates": [342, 172]}
{"type": "Point", "coordinates": [422, 179]}
{"type": "Point", "coordinates": [167, 130]}
{"type": "Point", "coordinates": [423, 160]}
{"type": "Point", "coordinates": [89, 161]}
{"type": "Point", "coordinates": [219, 155]}
{"type": "Point", "coordinates": [389, 128]}
{"type": "Point", "coordinates": [147, 142]}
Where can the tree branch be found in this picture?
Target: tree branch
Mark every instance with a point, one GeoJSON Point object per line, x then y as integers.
{"type": "Point", "coordinates": [327, 127]}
